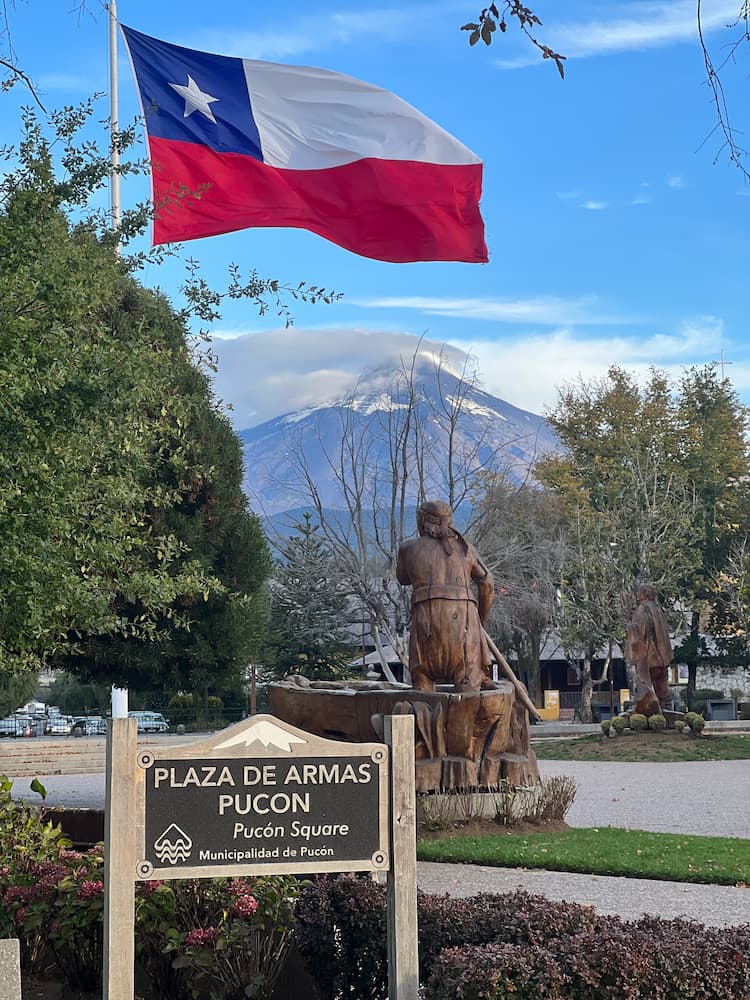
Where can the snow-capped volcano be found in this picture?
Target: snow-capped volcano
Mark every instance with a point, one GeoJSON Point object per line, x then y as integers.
{"type": "Point", "coordinates": [422, 420]}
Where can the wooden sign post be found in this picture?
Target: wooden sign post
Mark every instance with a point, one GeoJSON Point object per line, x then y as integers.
{"type": "Point", "coordinates": [119, 860]}
{"type": "Point", "coordinates": [260, 798]}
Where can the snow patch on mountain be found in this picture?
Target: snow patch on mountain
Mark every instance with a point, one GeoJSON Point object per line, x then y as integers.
{"type": "Point", "coordinates": [284, 455]}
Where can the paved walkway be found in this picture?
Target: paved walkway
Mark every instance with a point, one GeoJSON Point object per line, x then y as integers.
{"type": "Point", "coordinates": [715, 905]}
{"type": "Point", "coordinates": [710, 798]}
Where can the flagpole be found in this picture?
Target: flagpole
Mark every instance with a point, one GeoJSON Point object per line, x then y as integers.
{"type": "Point", "coordinates": [114, 184]}
{"type": "Point", "coordinates": [119, 695]}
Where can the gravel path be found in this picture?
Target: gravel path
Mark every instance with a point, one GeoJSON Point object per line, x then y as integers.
{"type": "Point", "coordinates": [711, 798]}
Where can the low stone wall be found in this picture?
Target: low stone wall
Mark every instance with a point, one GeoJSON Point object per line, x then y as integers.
{"type": "Point", "coordinates": [28, 757]}
{"type": "Point", "coordinates": [724, 680]}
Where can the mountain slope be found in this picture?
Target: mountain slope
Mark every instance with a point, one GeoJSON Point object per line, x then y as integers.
{"type": "Point", "coordinates": [353, 441]}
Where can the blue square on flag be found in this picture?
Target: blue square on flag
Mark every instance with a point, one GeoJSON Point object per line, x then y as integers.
{"type": "Point", "coordinates": [193, 96]}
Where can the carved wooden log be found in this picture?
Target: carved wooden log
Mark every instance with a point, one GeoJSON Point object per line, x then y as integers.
{"type": "Point", "coordinates": [461, 712]}
{"type": "Point", "coordinates": [428, 774]}
{"type": "Point", "coordinates": [490, 772]}
{"type": "Point", "coordinates": [461, 740]}
{"type": "Point", "coordinates": [495, 713]}
{"type": "Point", "coordinates": [459, 772]}
{"type": "Point", "coordinates": [520, 770]}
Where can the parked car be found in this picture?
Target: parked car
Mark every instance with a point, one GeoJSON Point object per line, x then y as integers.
{"type": "Point", "coordinates": [17, 725]}
{"type": "Point", "coordinates": [89, 725]}
{"type": "Point", "coordinates": [150, 722]}
{"type": "Point", "coordinates": [58, 725]}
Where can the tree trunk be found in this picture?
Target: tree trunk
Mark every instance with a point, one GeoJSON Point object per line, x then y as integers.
{"type": "Point", "coordinates": [692, 658]}
{"type": "Point", "coordinates": [587, 688]}
{"type": "Point", "coordinates": [535, 669]}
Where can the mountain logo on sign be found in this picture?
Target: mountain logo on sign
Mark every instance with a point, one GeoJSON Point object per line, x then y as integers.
{"type": "Point", "coordinates": [263, 732]}
{"type": "Point", "coordinates": [173, 845]}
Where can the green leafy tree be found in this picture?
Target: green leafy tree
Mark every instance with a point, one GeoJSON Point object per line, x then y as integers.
{"type": "Point", "coordinates": [624, 448]}
{"type": "Point", "coordinates": [81, 398]}
{"type": "Point", "coordinates": [309, 609]}
{"type": "Point", "coordinates": [664, 469]}
{"type": "Point", "coordinates": [629, 497]}
{"type": "Point", "coordinates": [202, 468]}
{"type": "Point", "coordinates": [717, 461]}
{"type": "Point", "coordinates": [520, 533]}
{"type": "Point", "coordinates": [122, 524]}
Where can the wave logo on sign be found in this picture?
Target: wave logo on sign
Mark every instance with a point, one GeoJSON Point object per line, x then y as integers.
{"type": "Point", "coordinates": [173, 845]}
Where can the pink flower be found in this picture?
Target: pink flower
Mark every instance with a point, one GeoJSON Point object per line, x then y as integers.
{"type": "Point", "coordinates": [90, 889]}
{"type": "Point", "coordinates": [201, 936]}
{"type": "Point", "coordinates": [245, 905]}
{"type": "Point", "coordinates": [14, 892]}
{"type": "Point", "coordinates": [152, 885]}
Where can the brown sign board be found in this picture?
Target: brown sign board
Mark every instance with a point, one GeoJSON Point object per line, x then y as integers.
{"type": "Point", "coordinates": [261, 798]}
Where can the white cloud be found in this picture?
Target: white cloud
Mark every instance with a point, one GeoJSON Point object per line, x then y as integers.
{"type": "Point", "coordinates": [641, 199]}
{"type": "Point", "coordinates": [543, 310]}
{"type": "Point", "coordinates": [630, 26]}
{"type": "Point", "coordinates": [676, 181]}
{"type": "Point", "coordinates": [266, 374]}
{"type": "Point", "coordinates": [594, 206]}
{"type": "Point", "coordinates": [295, 36]}
{"type": "Point", "coordinates": [526, 371]}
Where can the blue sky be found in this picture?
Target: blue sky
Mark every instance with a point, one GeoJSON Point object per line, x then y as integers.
{"type": "Point", "coordinates": [617, 229]}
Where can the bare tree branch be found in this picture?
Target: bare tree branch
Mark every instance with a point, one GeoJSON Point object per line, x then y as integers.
{"type": "Point", "coordinates": [735, 152]}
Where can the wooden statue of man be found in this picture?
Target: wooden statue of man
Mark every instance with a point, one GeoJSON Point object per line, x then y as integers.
{"type": "Point", "coordinates": [452, 593]}
{"type": "Point", "coordinates": [649, 648]}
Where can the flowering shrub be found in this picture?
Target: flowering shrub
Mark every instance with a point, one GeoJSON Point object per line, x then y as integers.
{"type": "Point", "coordinates": [30, 847]}
{"type": "Point", "coordinates": [56, 909]}
{"type": "Point", "coordinates": [76, 914]}
{"type": "Point", "coordinates": [223, 938]}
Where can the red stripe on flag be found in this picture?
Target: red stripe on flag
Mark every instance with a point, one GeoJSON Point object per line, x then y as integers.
{"type": "Point", "coordinates": [389, 210]}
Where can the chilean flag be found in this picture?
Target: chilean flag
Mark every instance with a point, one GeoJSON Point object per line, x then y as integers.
{"type": "Point", "coordinates": [236, 143]}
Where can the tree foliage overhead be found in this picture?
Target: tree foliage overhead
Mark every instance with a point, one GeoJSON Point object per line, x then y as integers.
{"type": "Point", "coordinates": [624, 459]}
{"type": "Point", "coordinates": [121, 515]}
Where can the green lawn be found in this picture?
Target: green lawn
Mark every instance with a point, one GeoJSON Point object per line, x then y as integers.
{"type": "Point", "coordinates": [651, 746]}
{"type": "Point", "coordinates": [603, 851]}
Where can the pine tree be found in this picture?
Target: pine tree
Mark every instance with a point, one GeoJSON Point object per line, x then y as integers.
{"type": "Point", "coordinates": [309, 609]}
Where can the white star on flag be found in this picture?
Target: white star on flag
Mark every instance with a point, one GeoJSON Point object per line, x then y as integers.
{"type": "Point", "coordinates": [195, 99]}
